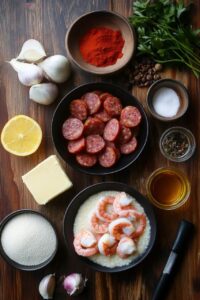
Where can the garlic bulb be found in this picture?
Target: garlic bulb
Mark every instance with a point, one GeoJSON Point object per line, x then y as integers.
{"type": "Point", "coordinates": [56, 68]}
{"type": "Point", "coordinates": [32, 51]}
{"type": "Point", "coordinates": [28, 74]}
{"type": "Point", "coordinates": [47, 286]}
{"type": "Point", "coordinates": [43, 93]}
{"type": "Point", "coordinates": [74, 284]}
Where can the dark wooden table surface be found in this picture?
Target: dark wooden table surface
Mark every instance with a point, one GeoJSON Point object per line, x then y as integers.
{"type": "Point", "coordinates": [48, 21]}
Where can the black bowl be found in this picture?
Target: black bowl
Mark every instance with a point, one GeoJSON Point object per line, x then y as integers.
{"type": "Point", "coordinates": [72, 210]}
{"type": "Point", "coordinates": [62, 112]}
{"type": "Point", "coordinates": [14, 263]}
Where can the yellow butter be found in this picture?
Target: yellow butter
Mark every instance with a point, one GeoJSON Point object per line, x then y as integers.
{"type": "Point", "coordinates": [47, 180]}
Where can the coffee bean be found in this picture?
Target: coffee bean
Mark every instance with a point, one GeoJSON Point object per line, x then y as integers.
{"type": "Point", "coordinates": [158, 67]}
{"type": "Point", "coordinates": [156, 77]}
{"type": "Point", "coordinates": [149, 77]}
{"type": "Point", "coordinates": [143, 72]}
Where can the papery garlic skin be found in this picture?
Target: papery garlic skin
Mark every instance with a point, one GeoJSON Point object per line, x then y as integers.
{"type": "Point", "coordinates": [43, 93]}
{"type": "Point", "coordinates": [56, 68]}
{"type": "Point", "coordinates": [74, 284]}
{"type": "Point", "coordinates": [47, 286]}
{"type": "Point", "coordinates": [28, 74]}
{"type": "Point", "coordinates": [32, 51]}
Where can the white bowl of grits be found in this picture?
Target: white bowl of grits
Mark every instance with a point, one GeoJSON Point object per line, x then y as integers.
{"type": "Point", "coordinates": [110, 226]}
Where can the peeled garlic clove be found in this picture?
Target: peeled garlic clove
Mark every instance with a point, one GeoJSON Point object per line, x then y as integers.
{"type": "Point", "coordinates": [43, 93]}
{"type": "Point", "coordinates": [56, 68]}
{"type": "Point", "coordinates": [47, 286]}
{"type": "Point", "coordinates": [28, 74]}
{"type": "Point", "coordinates": [74, 284]}
{"type": "Point", "coordinates": [32, 51]}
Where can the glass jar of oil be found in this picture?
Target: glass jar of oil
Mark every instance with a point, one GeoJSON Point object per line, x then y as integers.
{"type": "Point", "coordinates": [168, 188]}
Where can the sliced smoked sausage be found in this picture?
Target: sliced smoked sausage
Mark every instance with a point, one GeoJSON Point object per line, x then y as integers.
{"type": "Point", "coordinates": [117, 151]}
{"type": "Point", "coordinates": [129, 147]}
{"type": "Point", "coordinates": [94, 143]}
{"type": "Point", "coordinates": [86, 159]}
{"type": "Point", "coordinates": [108, 157]}
{"type": "Point", "coordinates": [93, 102]}
{"type": "Point", "coordinates": [103, 116]}
{"type": "Point", "coordinates": [93, 125]}
{"type": "Point", "coordinates": [72, 129]}
{"type": "Point", "coordinates": [130, 116]}
{"type": "Point", "coordinates": [124, 136]}
{"type": "Point", "coordinates": [104, 96]}
{"type": "Point", "coordinates": [113, 106]}
{"type": "Point", "coordinates": [78, 109]}
{"type": "Point", "coordinates": [76, 146]}
{"type": "Point", "coordinates": [111, 130]}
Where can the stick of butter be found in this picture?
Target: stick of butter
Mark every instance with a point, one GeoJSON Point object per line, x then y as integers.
{"type": "Point", "coordinates": [47, 180]}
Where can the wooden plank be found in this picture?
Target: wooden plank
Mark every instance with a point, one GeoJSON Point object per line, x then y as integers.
{"type": "Point", "coordinates": [47, 21]}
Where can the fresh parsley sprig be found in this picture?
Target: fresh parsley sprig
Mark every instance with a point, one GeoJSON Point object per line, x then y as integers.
{"type": "Point", "coordinates": [164, 33]}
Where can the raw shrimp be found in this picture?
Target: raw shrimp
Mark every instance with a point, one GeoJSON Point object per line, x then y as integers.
{"type": "Point", "coordinates": [126, 247]}
{"type": "Point", "coordinates": [98, 225]}
{"type": "Point", "coordinates": [131, 214]}
{"type": "Point", "coordinates": [107, 245]}
{"type": "Point", "coordinates": [98, 236]}
{"type": "Point", "coordinates": [122, 203]}
{"type": "Point", "coordinates": [139, 224]}
{"type": "Point", "coordinates": [103, 212]}
{"type": "Point", "coordinates": [85, 243]}
{"type": "Point", "coordinates": [121, 227]}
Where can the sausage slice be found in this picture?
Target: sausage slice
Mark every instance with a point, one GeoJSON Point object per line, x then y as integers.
{"type": "Point", "coordinates": [130, 116]}
{"type": "Point", "coordinates": [72, 129]}
{"type": "Point", "coordinates": [94, 143]}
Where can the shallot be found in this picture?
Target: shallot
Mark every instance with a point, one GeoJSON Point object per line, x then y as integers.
{"type": "Point", "coordinates": [74, 284]}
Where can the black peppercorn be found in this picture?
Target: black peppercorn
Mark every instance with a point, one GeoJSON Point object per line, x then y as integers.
{"type": "Point", "coordinates": [175, 144]}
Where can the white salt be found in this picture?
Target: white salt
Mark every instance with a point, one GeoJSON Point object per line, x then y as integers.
{"type": "Point", "coordinates": [166, 102]}
{"type": "Point", "coordinates": [28, 239]}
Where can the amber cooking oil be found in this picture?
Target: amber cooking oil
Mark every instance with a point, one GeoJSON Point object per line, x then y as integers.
{"type": "Point", "coordinates": [168, 188]}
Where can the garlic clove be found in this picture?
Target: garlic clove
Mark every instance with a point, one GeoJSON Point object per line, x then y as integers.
{"type": "Point", "coordinates": [16, 64]}
{"type": "Point", "coordinates": [56, 68]}
{"type": "Point", "coordinates": [28, 74]}
{"type": "Point", "coordinates": [43, 93]}
{"type": "Point", "coordinates": [47, 286]}
{"type": "Point", "coordinates": [74, 284]}
{"type": "Point", "coordinates": [32, 51]}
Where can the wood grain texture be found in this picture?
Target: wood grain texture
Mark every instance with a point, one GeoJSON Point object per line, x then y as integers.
{"type": "Point", "coordinates": [47, 21]}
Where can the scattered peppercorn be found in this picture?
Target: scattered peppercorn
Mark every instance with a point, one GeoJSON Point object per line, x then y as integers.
{"type": "Point", "coordinates": [176, 144]}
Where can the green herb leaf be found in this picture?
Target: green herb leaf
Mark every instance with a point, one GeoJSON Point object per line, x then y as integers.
{"type": "Point", "coordinates": [163, 34]}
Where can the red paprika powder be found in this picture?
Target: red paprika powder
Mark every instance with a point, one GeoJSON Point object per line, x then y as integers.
{"type": "Point", "coordinates": [101, 46]}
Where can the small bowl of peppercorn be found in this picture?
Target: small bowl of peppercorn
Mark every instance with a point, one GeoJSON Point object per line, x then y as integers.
{"type": "Point", "coordinates": [177, 144]}
{"type": "Point", "coordinates": [100, 42]}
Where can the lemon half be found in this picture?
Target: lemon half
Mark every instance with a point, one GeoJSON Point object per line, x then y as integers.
{"type": "Point", "coordinates": [21, 135]}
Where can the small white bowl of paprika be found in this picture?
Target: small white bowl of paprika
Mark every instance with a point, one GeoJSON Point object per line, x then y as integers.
{"type": "Point", "coordinates": [100, 42]}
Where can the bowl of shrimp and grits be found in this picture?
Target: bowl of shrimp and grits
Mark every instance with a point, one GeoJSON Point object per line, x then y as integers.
{"type": "Point", "coordinates": [110, 226]}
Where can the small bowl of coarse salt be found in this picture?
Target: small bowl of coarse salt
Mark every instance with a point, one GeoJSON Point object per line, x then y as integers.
{"type": "Point", "coordinates": [167, 99]}
{"type": "Point", "coordinates": [28, 240]}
